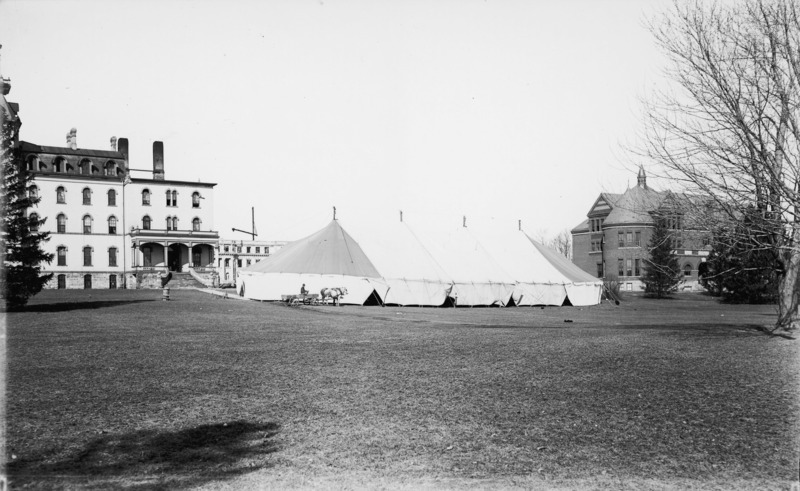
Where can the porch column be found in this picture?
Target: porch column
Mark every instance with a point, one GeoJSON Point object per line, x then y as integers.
{"type": "Point", "coordinates": [166, 254]}
{"type": "Point", "coordinates": [191, 255]}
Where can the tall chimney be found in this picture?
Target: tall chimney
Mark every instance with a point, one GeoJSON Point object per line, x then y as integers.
{"type": "Point", "coordinates": [158, 161]}
{"type": "Point", "coordinates": [72, 139]}
{"type": "Point", "coordinates": [114, 143]}
{"type": "Point", "coordinates": [122, 147]}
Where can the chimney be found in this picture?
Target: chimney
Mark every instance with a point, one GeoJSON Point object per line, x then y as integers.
{"type": "Point", "coordinates": [158, 161]}
{"type": "Point", "coordinates": [114, 143]}
{"type": "Point", "coordinates": [72, 139]}
{"type": "Point", "coordinates": [122, 147]}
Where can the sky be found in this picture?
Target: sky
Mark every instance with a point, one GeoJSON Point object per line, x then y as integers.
{"type": "Point", "coordinates": [497, 110]}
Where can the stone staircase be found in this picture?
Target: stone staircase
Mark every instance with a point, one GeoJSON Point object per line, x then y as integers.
{"type": "Point", "coordinates": [184, 280]}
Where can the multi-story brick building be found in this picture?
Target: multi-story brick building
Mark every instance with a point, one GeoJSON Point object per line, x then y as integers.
{"type": "Point", "coordinates": [233, 255]}
{"type": "Point", "coordinates": [612, 242]}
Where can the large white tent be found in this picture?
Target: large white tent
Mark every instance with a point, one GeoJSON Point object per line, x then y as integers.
{"type": "Point", "coordinates": [327, 258]}
{"type": "Point", "coordinates": [405, 265]}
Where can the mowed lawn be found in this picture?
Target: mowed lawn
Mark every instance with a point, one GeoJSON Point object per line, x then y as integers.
{"type": "Point", "coordinates": [114, 389]}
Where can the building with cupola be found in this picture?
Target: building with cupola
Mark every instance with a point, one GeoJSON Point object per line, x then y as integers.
{"type": "Point", "coordinates": [612, 243]}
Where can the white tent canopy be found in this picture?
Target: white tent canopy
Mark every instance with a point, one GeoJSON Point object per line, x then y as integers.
{"type": "Point", "coordinates": [414, 265]}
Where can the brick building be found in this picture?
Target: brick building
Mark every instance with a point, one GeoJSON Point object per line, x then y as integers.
{"type": "Point", "coordinates": [612, 242]}
{"type": "Point", "coordinates": [233, 255]}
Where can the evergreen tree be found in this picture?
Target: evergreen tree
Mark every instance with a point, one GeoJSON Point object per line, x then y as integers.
{"type": "Point", "coordinates": [22, 253]}
{"type": "Point", "coordinates": [661, 272]}
{"type": "Point", "coordinates": [739, 269]}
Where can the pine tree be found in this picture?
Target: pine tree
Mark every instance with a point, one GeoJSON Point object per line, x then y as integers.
{"type": "Point", "coordinates": [22, 253]}
{"type": "Point", "coordinates": [661, 273]}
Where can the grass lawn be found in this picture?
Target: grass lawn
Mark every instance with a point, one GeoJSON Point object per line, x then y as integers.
{"type": "Point", "coordinates": [112, 389]}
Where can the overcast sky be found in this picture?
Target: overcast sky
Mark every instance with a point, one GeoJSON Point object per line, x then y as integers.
{"type": "Point", "coordinates": [495, 109]}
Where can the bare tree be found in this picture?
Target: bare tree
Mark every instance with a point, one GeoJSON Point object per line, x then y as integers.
{"type": "Point", "coordinates": [730, 129]}
{"type": "Point", "coordinates": [562, 243]}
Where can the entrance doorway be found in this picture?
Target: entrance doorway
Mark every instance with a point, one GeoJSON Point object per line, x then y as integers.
{"type": "Point", "coordinates": [175, 261]}
{"type": "Point", "coordinates": [196, 257]}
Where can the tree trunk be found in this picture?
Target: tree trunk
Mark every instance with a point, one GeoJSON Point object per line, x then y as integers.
{"type": "Point", "coordinates": [789, 287]}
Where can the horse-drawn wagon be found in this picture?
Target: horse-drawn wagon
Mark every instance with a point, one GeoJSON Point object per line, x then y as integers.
{"type": "Point", "coordinates": [302, 299]}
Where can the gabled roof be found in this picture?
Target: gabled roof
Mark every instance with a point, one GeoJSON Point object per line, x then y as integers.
{"type": "Point", "coordinates": [634, 206]}
{"type": "Point", "coordinates": [329, 251]}
{"type": "Point", "coordinates": [582, 227]}
{"type": "Point", "coordinates": [604, 203]}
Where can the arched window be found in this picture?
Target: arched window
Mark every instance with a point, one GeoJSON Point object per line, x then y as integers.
{"type": "Point", "coordinates": [146, 223]}
{"type": "Point", "coordinates": [58, 164]}
{"type": "Point", "coordinates": [62, 255]}
{"type": "Point", "coordinates": [687, 270]}
{"type": "Point", "coordinates": [62, 281]}
{"type": "Point", "coordinates": [87, 196]}
{"type": "Point", "coordinates": [112, 256]}
{"type": "Point", "coordinates": [196, 225]}
{"type": "Point", "coordinates": [146, 197]}
{"type": "Point", "coordinates": [195, 200]}
{"type": "Point", "coordinates": [33, 192]}
{"type": "Point", "coordinates": [84, 166]}
{"type": "Point", "coordinates": [61, 224]}
{"type": "Point", "coordinates": [111, 168]}
{"type": "Point", "coordinates": [112, 225]}
{"type": "Point", "coordinates": [87, 256]}
{"type": "Point", "coordinates": [33, 222]}
{"type": "Point", "coordinates": [31, 162]}
{"type": "Point", "coordinates": [61, 195]}
{"type": "Point", "coordinates": [87, 224]}
{"type": "Point", "coordinates": [174, 198]}
{"type": "Point", "coordinates": [169, 223]}
{"type": "Point", "coordinates": [112, 197]}
{"type": "Point", "coordinates": [174, 223]}
{"type": "Point", "coordinates": [169, 198]}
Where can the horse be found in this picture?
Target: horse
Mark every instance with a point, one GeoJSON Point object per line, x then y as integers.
{"type": "Point", "coordinates": [334, 294]}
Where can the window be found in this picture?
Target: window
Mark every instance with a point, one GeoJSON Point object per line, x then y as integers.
{"type": "Point", "coordinates": [169, 221]}
{"type": "Point", "coordinates": [227, 248]}
{"type": "Point", "coordinates": [629, 238]}
{"type": "Point", "coordinates": [227, 262]}
{"type": "Point", "coordinates": [87, 196]}
{"type": "Point", "coordinates": [195, 200]}
{"type": "Point", "coordinates": [258, 250]}
{"type": "Point", "coordinates": [111, 168]}
{"type": "Point", "coordinates": [112, 225]}
{"type": "Point", "coordinates": [31, 162]}
{"type": "Point", "coordinates": [620, 267]}
{"type": "Point", "coordinates": [638, 239]}
{"type": "Point", "coordinates": [61, 224]}
{"type": "Point", "coordinates": [629, 269]}
{"type": "Point", "coordinates": [706, 241]}
{"type": "Point", "coordinates": [112, 256]}
{"type": "Point", "coordinates": [596, 224]}
{"type": "Point", "coordinates": [60, 195]}
{"type": "Point", "coordinates": [112, 281]}
{"type": "Point", "coordinates": [87, 224]}
{"type": "Point", "coordinates": [196, 226]}
{"type": "Point", "coordinates": [87, 281]}
{"type": "Point", "coordinates": [62, 256]}
{"type": "Point", "coordinates": [62, 281]}
{"type": "Point", "coordinates": [33, 222]}
{"type": "Point", "coordinates": [58, 164]}
{"type": "Point", "coordinates": [636, 265]}
{"type": "Point", "coordinates": [146, 197]}
{"type": "Point", "coordinates": [599, 270]}
{"type": "Point", "coordinates": [33, 192]}
{"type": "Point", "coordinates": [147, 253]}
{"type": "Point", "coordinates": [112, 197]}
{"type": "Point", "coordinates": [84, 166]}
{"type": "Point", "coordinates": [248, 249]}
{"type": "Point", "coordinates": [239, 262]}
{"type": "Point", "coordinates": [174, 198]}
{"type": "Point", "coordinates": [87, 256]}
{"type": "Point", "coordinates": [597, 245]}
{"type": "Point", "coordinates": [621, 238]}
{"type": "Point", "coordinates": [169, 198]}
{"type": "Point", "coordinates": [687, 270]}
{"type": "Point", "coordinates": [146, 222]}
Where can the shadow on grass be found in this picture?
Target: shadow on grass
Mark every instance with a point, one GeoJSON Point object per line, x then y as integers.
{"type": "Point", "coordinates": [151, 459]}
{"type": "Point", "coordinates": [67, 306]}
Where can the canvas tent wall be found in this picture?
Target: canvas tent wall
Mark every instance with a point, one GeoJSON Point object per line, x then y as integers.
{"type": "Point", "coordinates": [327, 258]}
{"type": "Point", "coordinates": [582, 288]}
{"type": "Point", "coordinates": [411, 272]}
